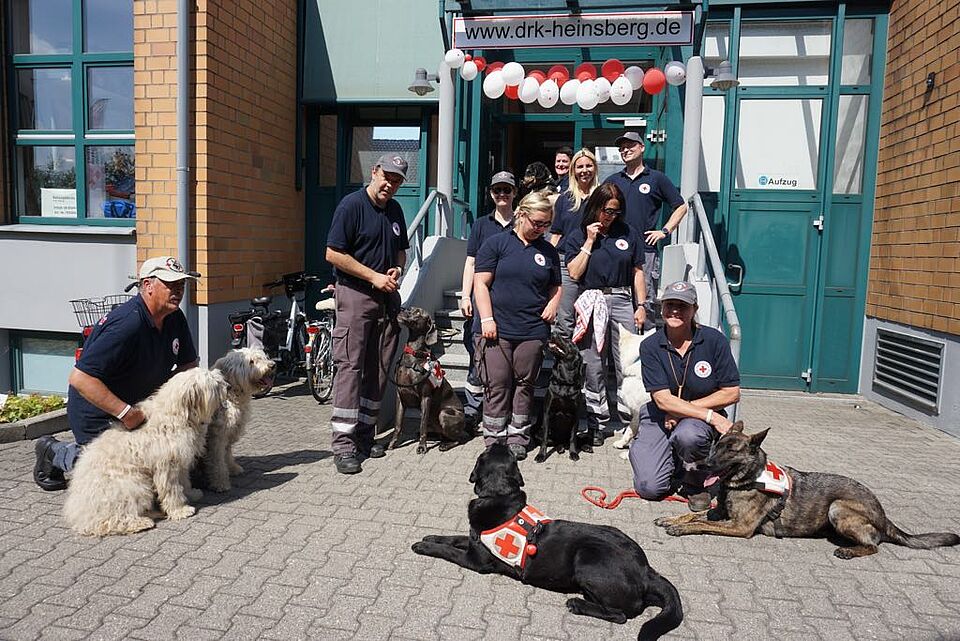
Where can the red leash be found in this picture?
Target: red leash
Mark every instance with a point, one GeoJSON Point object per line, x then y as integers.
{"type": "Point", "coordinates": [600, 500]}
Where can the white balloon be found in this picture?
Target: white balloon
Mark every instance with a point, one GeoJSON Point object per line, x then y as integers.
{"type": "Point", "coordinates": [602, 87]}
{"type": "Point", "coordinates": [587, 95]}
{"type": "Point", "coordinates": [529, 91]}
{"type": "Point", "coordinates": [549, 94]}
{"type": "Point", "coordinates": [621, 92]}
{"type": "Point", "coordinates": [675, 72]}
{"type": "Point", "coordinates": [493, 85]}
{"type": "Point", "coordinates": [512, 73]}
{"type": "Point", "coordinates": [635, 75]}
{"type": "Point", "coordinates": [454, 58]}
{"type": "Point", "coordinates": [568, 92]}
{"type": "Point", "coordinates": [469, 70]}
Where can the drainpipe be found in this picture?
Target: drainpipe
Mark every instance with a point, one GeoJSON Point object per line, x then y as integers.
{"type": "Point", "coordinates": [445, 143]}
{"type": "Point", "coordinates": [692, 123]}
{"type": "Point", "coordinates": [183, 132]}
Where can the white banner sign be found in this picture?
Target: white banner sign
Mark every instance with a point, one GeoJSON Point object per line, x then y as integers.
{"type": "Point", "coordinates": [58, 203]}
{"type": "Point", "coordinates": [585, 30]}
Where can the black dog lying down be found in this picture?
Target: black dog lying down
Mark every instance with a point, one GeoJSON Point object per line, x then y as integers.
{"type": "Point", "coordinates": [598, 561]}
{"type": "Point", "coordinates": [561, 405]}
{"type": "Point", "coordinates": [758, 496]}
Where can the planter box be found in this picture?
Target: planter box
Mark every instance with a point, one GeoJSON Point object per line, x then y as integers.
{"type": "Point", "coordinates": [49, 423]}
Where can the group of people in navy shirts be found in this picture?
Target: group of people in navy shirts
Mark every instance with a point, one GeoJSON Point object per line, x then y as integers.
{"type": "Point", "coordinates": [583, 262]}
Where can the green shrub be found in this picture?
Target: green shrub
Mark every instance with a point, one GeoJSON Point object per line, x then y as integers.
{"type": "Point", "coordinates": [18, 408]}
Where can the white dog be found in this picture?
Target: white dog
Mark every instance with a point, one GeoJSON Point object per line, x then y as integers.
{"type": "Point", "coordinates": [246, 371]}
{"type": "Point", "coordinates": [115, 479]}
{"type": "Point", "coordinates": [632, 392]}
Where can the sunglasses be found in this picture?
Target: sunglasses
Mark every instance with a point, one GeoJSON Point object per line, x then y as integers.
{"type": "Point", "coordinates": [611, 212]}
{"type": "Point", "coordinates": [539, 224]}
{"type": "Point", "coordinates": [501, 190]}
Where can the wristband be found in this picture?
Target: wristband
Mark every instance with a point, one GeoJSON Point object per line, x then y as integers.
{"type": "Point", "coordinates": [487, 319]}
{"type": "Point", "coordinates": [123, 412]}
{"type": "Point", "coordinates": [399, 269]}
{"type": "Point", "coordinates": [585, 250]}
{"type": "Point", "coordinates": [709, 417]}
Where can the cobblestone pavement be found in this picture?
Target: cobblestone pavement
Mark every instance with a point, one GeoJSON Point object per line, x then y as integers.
{"type": "Point", "coordinates": [296, 551]}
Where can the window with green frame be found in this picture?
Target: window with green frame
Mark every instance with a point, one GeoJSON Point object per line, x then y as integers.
{"type": "Point", "coordinates": [72, 111]}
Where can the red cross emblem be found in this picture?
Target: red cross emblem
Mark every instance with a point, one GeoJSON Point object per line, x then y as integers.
{"type": "Point", "coordinates": [774, 471]}
{"type": "Point", "coordinates": [507, 545]}
{"type": "Point", "coordinates": [703, 370]}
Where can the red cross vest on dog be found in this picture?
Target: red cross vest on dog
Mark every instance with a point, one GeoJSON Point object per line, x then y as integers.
{"type": "Point", "coordinates": [435, 373]}
{"type": "Point", "coordinates": [511, 542]}
{"type": "Point", "coordinates": [773, 480]}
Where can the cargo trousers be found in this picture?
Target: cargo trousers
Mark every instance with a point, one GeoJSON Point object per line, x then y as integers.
{"type": "Point", "coordinates": [508, 370]}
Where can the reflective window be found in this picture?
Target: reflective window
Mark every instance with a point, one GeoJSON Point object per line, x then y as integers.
{"type": "Point", "coordinates": [602, 143]}
{"type": "Point", "coordinates": [788, 54]}
{"type": "Point", "coordinates": [47, 181]}
{"type": "Point", "coordinates": [711, 139]}
{"type": "Point", "coordinates": [110, 98]}
{"type": "Point", "coordinates": [857, 52]}
{"type": "Point", "coordinates": [44, 99]}
{"type": "Point", "coordinates": [45, 364]}
{"type": "Point", "coordinates": [716, 48]}
{"type": "Point", "coordinates": [108, 25]}
{"type": "Point", "coordinates": [851, 143]}
{"type": "Point", "coordinates": [778, 144]}
{"type": "Point", "coordinates": [111, 182]}
{"type": "Point", "coordinates": [42, 26]}
{"type": "Point", "coordinates": [369, 143]}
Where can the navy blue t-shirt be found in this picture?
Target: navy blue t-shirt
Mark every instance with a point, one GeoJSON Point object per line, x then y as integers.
{"type": "Point", "coordinates": [566, 219]}
{"type": "Point", "coordinates": [563, 183]}
{"type": "Point", "coordinates": [372, 235]}
{"type": "Point", "coordinates": [523, 276]}
{"type": "Point", "coordinates": [129, 355]}
{"type": "Point", "coordinates": [483, 229]}
{"type": "Point", "coordinates": [645, 196]}
{"type": "Point", "coordinates": [613, 257]}
{"type": "Point", "coordinates": [708, 364]}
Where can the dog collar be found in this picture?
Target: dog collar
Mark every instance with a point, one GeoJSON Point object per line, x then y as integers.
{"type": "Point", "coordinates": [515, 541]}
{"type": "Point", "coordinates": [773, 479]}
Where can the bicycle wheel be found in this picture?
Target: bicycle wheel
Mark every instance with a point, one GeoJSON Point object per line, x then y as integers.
{"type": "Point", "coordinates": [320, 375]}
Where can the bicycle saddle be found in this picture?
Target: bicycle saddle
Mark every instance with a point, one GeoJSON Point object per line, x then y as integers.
{"type": "Point", "coordinates": [326, 305]}
{"type": "Point", "coordinates": [261, 301]}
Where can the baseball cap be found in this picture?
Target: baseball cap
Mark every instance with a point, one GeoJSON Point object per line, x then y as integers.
{"type": "Point", "coordinates": [503, 177]}
{"type": "Point", "coordinates": [680, 290]}
{"type": "Point", "coordinates": [635, 136]}
{"type": "Point", "coordinates": [393, 163]}
{"type": "Point", "coordinates": [166, 268]}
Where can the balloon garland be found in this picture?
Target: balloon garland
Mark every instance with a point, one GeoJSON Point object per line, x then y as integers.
{"type": "Point", "coordinates": [586, 86]}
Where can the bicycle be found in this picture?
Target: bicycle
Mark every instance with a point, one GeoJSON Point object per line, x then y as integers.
{"type": "Point", "coordinates": [319, 362]}
{"type": "Point", "coordinates": [89, 312]}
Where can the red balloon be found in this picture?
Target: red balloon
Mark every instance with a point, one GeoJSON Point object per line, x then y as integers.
{"type": "Point", "coordinates": [494, 66]}
{"type": "Point", "coordinates": [467, 56]}
{"type": "Point", "coordinates": [611, 69]}
{"type": "Point", "coordinates": [559, 73]}
{"type": "Point", "coordinates": [511, 92]}
{"type": "Point", "coordinates": [585, 71]}
{"type": "Point", "coordinates": [481, 63]}
{"type": "Point", "coordinates": [654, 81]}
{"type": "Point", "coordinates": [539, 75]}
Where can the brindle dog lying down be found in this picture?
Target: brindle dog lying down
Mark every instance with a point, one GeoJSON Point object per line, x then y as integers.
{"type": "Point", "coordinates": [509, 537]}
{"type": "Point", "coordinates": [759, 496]}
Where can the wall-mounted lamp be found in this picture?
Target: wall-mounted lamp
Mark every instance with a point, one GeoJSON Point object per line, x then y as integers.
{"type": "Point", "coordinates": [931, 80]}
{"type": "Point", "coordinates": [724, 78]}
{"type": "Point", "coordinates": [421, 82]}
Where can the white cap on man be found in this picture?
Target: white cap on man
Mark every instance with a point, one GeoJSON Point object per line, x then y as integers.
{"type": "Point", "coordinates": [166, 268]}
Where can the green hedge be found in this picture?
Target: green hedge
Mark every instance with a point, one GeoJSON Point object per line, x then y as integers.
{"type": "Point", "coordinates": [18, 408]}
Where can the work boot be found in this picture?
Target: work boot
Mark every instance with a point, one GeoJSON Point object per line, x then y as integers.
{"type": "Point", "coordinates": [519, 451]}
{"type": "Point", "coordinates": [376, 451]}
{"type": "Point", "coordinates": [597, 437]}
{"type": "Point", "coordinates": [347, 463]}
{"type": "Point", "coordinates": [47, 475]}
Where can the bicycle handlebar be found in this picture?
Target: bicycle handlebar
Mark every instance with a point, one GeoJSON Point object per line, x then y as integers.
{"type": "Point", "coordinates": [306, 278]}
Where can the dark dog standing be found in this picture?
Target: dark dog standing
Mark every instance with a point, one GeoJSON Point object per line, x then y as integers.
{"type": "Point", "coordinates": [598, 561]}
{"type": "Point", "coordinates": [814, 502]}
{"type": "Point", "coordinates": [441, 412]}
{"type": "Point", "coordinates": [561, 405]}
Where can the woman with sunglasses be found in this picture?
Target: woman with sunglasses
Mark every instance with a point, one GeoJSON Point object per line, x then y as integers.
{"type": "Point", "coordinates": [503, 190]}
{"type": "Point", "coordinates": [608, 266]}
{"type": "Point", "coordinates": [517, 291]}
{"type": "Point", "coordinates": [568, 214]}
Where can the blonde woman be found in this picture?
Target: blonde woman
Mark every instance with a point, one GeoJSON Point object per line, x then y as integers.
{"type": "Point", "coordinates": [569, 212]}
{"type": "Point", "coordinates": [516, 288]}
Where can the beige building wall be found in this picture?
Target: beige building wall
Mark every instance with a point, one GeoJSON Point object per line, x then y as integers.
{"type": "Point", "coordinates": [915, 250]}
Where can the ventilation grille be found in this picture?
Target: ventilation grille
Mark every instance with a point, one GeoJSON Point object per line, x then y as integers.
{"type": "Point", "coordinates": [910, 368]}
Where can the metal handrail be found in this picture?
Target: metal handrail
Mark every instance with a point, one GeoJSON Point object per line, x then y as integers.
{"type": "Point", "coordinates": [422, 214]}
{"type": "Point", "coordinates": [720, 282]}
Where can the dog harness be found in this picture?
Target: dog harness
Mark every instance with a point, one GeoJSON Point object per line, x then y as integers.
{"type": "Point", "coordinates": [515, 541]}
{"type": "Point", "coordinates": [431, 366]}
{"type": "Point", "coordinates": [773, 479]}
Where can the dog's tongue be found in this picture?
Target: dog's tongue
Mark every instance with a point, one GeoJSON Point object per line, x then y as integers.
{"type": "Point", "coordinates": [710, 481]}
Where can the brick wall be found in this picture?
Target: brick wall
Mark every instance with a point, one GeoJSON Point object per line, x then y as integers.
{"type": "Point", "coordinates": [247, 219]}
{"type": "Point", "coordinates": [915, 250]}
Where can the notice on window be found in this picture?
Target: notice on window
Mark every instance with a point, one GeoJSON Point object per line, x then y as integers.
{"type": "Point", "coordinates": [58, 203]}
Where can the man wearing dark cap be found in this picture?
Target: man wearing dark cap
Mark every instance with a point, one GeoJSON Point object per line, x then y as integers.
{"type": "Point", "coordinates": [367, 246]}
{"type": "Point", "coordinates": [646, 190]}
{"type": "Point", "coordinates": [132, 351]}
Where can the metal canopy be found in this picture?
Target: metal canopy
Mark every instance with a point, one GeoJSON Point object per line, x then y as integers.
{"type": "Point", "coordinates": [487, 7]}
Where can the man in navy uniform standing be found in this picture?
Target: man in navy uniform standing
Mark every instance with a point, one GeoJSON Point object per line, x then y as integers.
{"type": "Point", "coordinates": [367, 246]}
{"type": "Point", "coordinates": [646, 190]}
